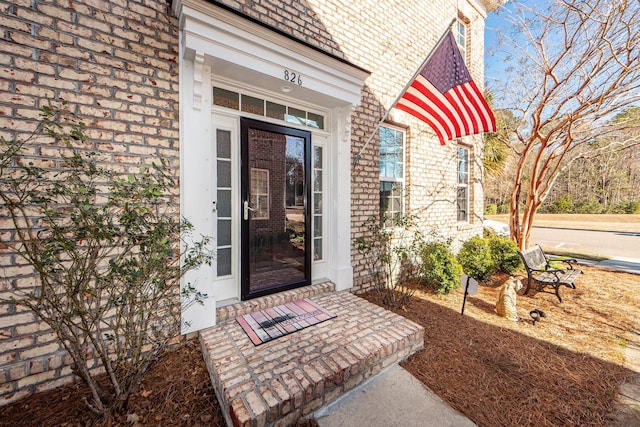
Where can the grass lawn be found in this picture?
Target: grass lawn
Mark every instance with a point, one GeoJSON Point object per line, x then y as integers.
{"type": "Point", "coordinates": [613, 222]}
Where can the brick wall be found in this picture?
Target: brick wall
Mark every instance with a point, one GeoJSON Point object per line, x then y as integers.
{"type": "Point", "coordinates": [116, 64]}
{"type": "Point", "coordinates": [376, 35]}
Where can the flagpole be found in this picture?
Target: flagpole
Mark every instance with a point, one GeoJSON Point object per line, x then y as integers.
{"type": "Point", "coordinates": [357, 157]}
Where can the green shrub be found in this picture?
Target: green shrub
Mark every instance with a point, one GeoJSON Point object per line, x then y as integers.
{"type": "Point", "coordinates": [108, 255]}
{"type": "Point", "coordinates": [503, 208]}
{"type": "Point", "coordinates": [591, 206]}
{"type": "Point", "coordinates": [504, 253]}
{"type": "Point", "coordinates": [563, 204]}
{"type": "Point", "coordinates": [475, 258]}
{"type": "Point", "coordinates": [389, 249]}
{"type": "Point", "coordinates": [439, 269]}
{"type": "Point", "coordinates": [490, 209]}
{"type": "Point", "coordinates": [625, 208]}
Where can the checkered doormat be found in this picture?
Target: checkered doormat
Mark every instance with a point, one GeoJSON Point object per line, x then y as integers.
{"type": "Point", "coordinates": [271, 323]}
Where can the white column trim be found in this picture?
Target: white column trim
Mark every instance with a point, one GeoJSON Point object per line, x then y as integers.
{"type": "Point", "coordinates": [198, 66]}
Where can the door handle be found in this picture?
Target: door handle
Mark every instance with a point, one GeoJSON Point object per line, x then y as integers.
{"type": "Point", "coordinates": [246, 209]}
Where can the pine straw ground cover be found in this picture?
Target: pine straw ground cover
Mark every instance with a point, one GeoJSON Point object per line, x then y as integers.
{"type": "Point", "coordinates": [565, 370]}
{"type": "Point", "coordinates": [562, 371]}
{"type": "Point", "coordinates": [175, 392]}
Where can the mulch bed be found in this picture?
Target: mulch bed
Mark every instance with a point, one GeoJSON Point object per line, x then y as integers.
{"type": "Point", "coordinates": [563, 371]}
{"type": "Point", "coordinates": [177, 391]}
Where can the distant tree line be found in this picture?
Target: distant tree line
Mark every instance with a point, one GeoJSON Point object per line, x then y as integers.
{"type": "Point", "coordinates": [604, 178]}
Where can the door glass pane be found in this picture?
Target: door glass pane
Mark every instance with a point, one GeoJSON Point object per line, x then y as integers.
{"type": "Point", "coordinates": [224, 173]}
{"type": "Point", "coordinates": [223, 202]}
{"type": "Point", "coordinates": [224, 261]}
{"type": "Point", "coordinates": [224, 232]}
{"type": "Point", "coordinates": [276, 211]}
{"type": "Point", "coordinates": [317, 203]}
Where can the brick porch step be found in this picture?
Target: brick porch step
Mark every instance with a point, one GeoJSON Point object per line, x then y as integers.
{"type": "Point", "coordinates": [288, 378]}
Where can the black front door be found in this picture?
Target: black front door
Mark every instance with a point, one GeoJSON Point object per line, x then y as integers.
{"type": "Point", "coordinates": [276, 191]}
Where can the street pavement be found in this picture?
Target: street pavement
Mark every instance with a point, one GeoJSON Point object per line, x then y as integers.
{"type": "Point", "coordinates": [622, 249]}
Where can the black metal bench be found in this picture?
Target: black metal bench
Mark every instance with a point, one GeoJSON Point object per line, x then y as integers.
{"type": "Point", "coordinates": [542, 274]}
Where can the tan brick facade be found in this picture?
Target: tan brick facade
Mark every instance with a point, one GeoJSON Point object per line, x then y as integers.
{"type": "Point", "coordinates": [116, 63]}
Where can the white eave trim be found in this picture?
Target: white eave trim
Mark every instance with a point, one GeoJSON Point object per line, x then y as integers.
{"type": "Point", "coordinates": [220, 34]}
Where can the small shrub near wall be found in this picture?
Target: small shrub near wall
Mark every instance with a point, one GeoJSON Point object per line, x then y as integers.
{"type": "Point", "coordinates": [390, 248]}
{"type": "Point", "coordinates": [439, 269]}
{"type": "Point", "coordinates": [475, 258]}
{"type": "Point", "coordinates": [106, 252]}
{"type": "Point", "coordinates": [504, 253]}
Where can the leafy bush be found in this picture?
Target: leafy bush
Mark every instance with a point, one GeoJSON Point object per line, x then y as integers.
{"type": "Point", "coordinates": [107, 254]}
{"type": "Point", "coordinates": [439, 269]}
{"type": "Point", "coordinates": [475, 258]}
{"type": "Point", "coordinates": [591, 206]}
{"type": "Point", "coordinates": [504, 253]}
{"type": "Point", "coordinates": [563, 204]}
{"type": "Point", "coordinates": [490, 209]}
{"type": "Point", "coordinates": [503, 208]}
{"type": "Point", "coordinates": [389, 249]}
{"type": "Point", "coordinates": [625, 208]}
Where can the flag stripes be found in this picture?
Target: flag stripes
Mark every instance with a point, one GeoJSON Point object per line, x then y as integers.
{"type": "Point", "coordinates": [445, 97]}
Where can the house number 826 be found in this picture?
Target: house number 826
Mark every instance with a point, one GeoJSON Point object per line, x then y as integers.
{"type": "Point", "coordinates": [293, 77]}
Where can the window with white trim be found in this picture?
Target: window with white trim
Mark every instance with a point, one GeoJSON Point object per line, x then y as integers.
{"type": "Point", "coordinates": [460, 33]}
{"type": "Point", "coordinates": [260, 193]}
{"type": "Point", "coordinates": [392, 148]}
{"type": "Point", "coordinates": [462, 199]}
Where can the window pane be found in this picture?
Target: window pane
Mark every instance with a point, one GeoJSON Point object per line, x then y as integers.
{"type": "Point", "coordinates": [391, 166]}
{"type": "Point", "coordinates": [317, 249]}
{"type": "Point", "coordinates": [226, 98]}
{"type": "Point", "coordinates": [391, 153]}
{"type": "Point", "coordinates": [253, 105]}
{"type": "Point", "coordinates": [224, 232]}
{"type": "Point", "coordinates": [462, 203]}
{"type": "Point", "coordinates": [276, 111]}
{"type": "Point", "coordinates": [296, 116]}
{"type": "Point", "coordinates": [390, 198]}
{"type": "Point", "coordinates": [317, 180]}
{"type": "Point", "coordinates": [224, 203]}
{"type": "Point", "coordinates": [463, 166]}
{"type": "Point", "coordinates": [315, 121]}
{"type": "Point", "coordinates": [317, 157]}
{"type": "Point", "coordinates": [223, 144]}
{"type": "Point", "coordinates": [224, 173]}
{"type": "Point", "coordinates": [224, 261]}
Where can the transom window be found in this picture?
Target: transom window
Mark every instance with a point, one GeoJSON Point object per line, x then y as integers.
{"type": "Point", "coordinates": [392, 142]}
{"type": "Point", "coordinates": [462, 198]}
{"type": "Point", "coordinates": [261, 107]}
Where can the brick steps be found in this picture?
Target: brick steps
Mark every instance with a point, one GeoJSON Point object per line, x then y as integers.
{"type": "Point", "coordinates": [283, 380]}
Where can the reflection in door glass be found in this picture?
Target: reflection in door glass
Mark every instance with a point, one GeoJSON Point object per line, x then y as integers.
{"type": "Point", "coordinates": [277, 225]}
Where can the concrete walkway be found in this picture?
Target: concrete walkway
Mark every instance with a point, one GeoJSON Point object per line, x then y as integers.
{"type": "Point", "coordinates": [394, 397]}
{"type": "Point", "coordinates": [628, 407]}
{"type": "Point", "coordinates": [628, 265]}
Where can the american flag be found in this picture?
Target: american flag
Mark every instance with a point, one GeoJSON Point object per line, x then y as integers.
{"type": "Point", "coordinates": [444, 96]}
